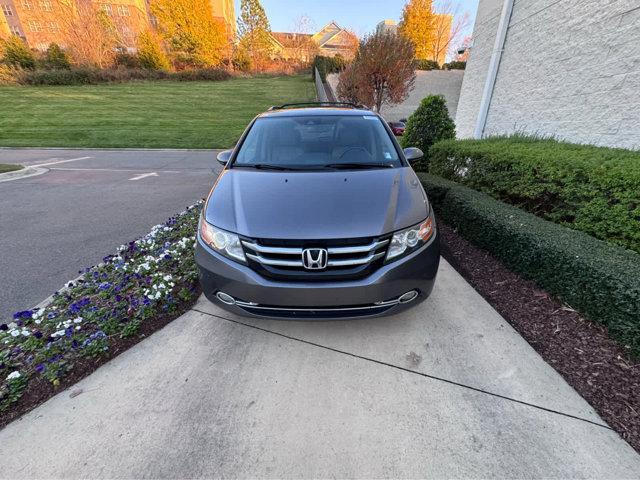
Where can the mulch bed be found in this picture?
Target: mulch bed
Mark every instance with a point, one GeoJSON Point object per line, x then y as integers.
{"type": "Point", "coordinates": [40, 389]}
{"type": "Point", "coordinates": [598, 368]}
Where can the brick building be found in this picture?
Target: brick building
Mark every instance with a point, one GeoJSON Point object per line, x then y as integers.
{"type": "Point", "coordinates": [563, 68]}
{"type": "Point", "coordinates": [42, 22]}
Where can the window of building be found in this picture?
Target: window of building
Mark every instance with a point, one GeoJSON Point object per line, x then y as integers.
{"type": "Point", "coordinates": [26, 4]}
{"type": "Point", "coordinates": [123, 10]}
{"type": "Point", "coordinates": [34, 26]}
{"type": "Point", "coordinates": [53, 26]}
{"type": "Point", "coordinates": [16, 31]}
{"type": "Point", "coordinates": [46, 5]}
{"type": "Point", "coordinates": [106, 8]}
{"type": "Point", "coordinates": [8, 12]}
{"type": "Point", "coordinates": [42, 47]}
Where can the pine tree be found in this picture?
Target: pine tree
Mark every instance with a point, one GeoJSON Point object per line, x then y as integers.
{"type": "Point", "coordinates": [194, 36]}
{"type": "Point", "coordinates": [150, 53]}
{"type": "Point", "coordinates": [255, 32]}
{"type": "Point", "coordinates": [16, 53]}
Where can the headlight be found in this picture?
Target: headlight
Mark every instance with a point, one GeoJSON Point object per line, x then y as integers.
{"type": "Point", "coordinates": [410, 239]}
{"type": "Point", "coordinates": [225, 243]}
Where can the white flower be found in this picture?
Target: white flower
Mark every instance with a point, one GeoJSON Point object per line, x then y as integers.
{"type": "Point", "coordinates": [15, 333]}
{"type": "Point", "coordinates": [25, 332]}
{"type": "Point", "coordinates": [78, 320]}
{"type": "Point", "coordinates": [13, 375]}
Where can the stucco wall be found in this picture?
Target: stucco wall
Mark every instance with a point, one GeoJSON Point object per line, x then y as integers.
{"type": "Point", "coordinates": [434, 82]}
{"type": "Point", "coordinates": [570, 69]}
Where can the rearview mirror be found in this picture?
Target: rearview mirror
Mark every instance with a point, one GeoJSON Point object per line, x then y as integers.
{"type": "Point", "coordinates": [223, 157]}
{"type": "Point", "coordinates": [413, 154]}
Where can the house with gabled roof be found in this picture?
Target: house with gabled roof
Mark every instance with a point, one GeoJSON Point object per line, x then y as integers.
{"type": "Point", "coordinates": [329, 41]}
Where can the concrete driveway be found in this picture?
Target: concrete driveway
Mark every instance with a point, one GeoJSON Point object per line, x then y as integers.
{"type": "Point", "coordinates": [447, 389]}
{"type": "Point", "coordinates": [86, 205]}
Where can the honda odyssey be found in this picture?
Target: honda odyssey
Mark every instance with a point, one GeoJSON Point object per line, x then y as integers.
{"type": "Point", "coordinates": [317, 214]}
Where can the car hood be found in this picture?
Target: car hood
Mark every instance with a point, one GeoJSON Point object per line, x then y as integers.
{"type": "Point", "coordinates": [316, 205]}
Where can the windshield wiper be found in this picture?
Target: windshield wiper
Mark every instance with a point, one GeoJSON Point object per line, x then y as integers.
{"type": "Point", "coordinates": [348, 166]}
{"type": "Point", "coordinates": [263, 166]}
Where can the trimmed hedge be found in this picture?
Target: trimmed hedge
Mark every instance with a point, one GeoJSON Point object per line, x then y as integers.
{"type": "Point", "coordinates": [327, 65]}
{"type": "Point", "coordinates": [599, 279]}
{"type": "Point", "coordinates": [592, 189]}
{"type": "Point", "coordinates": [90, 76]}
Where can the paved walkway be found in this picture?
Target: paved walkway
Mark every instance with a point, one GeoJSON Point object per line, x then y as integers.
{"type": "Point", "coordinates": [447, 389]}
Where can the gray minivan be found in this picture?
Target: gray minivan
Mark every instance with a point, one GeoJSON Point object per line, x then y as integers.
{"type": "Point", "coordinates": [317, 214]}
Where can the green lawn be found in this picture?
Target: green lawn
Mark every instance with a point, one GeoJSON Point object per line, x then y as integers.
{"type": "Point", "coordinates": [141, 114]}
{"type": "Point", "coordinates": [4, 168]}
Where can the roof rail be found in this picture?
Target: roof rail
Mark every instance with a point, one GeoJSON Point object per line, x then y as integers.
{"type": "Point", "coordinates": [317, 104]}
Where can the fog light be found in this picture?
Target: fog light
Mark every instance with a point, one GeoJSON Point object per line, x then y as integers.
{"type": "Point", "coordinates": [226, 299]}
{"type": "Point", "coordinates": [408, 297]}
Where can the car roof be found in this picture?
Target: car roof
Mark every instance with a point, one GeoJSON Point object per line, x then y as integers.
{"type": "Point", "coordinates": [317, 111]}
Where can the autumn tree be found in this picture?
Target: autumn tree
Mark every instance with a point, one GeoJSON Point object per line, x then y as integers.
{"type": "Point", "coordinates": [194, 36]}
{"type": "Point", "coordinates": [301, 44]}
{"type": "Point", "coordinates": [448, 25]}
{"type": "Point", "coordinates": [150, 53]}
{"type": "Point", "coordinates": [90, 34]}
{"type": "Point", "coordinates": [16, 53]}
{"type": "Point", "coordinates": [381, 73]}
{"type": "Point", "coordinates": [255, 32]}
{"type": "Point", "coordinates": [418, 24]}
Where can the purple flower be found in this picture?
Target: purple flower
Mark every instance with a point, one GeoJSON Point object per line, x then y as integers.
{"type": "Point", "coordinates": [23, 314]}
{"type": "Point", "coordinates": [104, 286]}
{"type": "Point", "coordinates": [37, 334]}
{"type": "Point", "coordinates": [40, 368]}
{"type": "Point", "coordinates": [4, 327]}
{"type": "Point", "coordinates": [51, 315]}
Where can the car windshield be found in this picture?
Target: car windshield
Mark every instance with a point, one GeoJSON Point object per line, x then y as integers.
{"type": "Point", "coordinates": [312, 142]}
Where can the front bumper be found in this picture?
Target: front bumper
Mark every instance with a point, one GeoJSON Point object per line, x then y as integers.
{"type": "Point", "coordinates": [375, 295]}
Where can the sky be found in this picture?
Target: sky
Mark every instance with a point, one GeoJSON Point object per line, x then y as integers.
{"type": "Point", "coordinates": [361, 16]}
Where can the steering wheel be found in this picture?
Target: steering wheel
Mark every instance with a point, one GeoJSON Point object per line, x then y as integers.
{"type": "Point", "coordinates": [349, 149]}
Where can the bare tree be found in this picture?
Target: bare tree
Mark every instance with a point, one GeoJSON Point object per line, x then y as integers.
{"type": "Point", "coordinates": [382, 72]}
{"type": "Point", "coordinates": [448, 25]}
{"type": "Point", "coordinates": [88, 32]}
{"type": "Point", "coordinates": [301, 45]}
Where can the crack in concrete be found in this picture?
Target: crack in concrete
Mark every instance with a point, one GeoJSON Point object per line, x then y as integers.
{"type": "Point", "coordinates": [407, 370]}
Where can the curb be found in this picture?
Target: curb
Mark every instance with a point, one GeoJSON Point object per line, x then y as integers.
{"type": "Point", "coordinates": [116, 149]}
{"type": "Point", "coordinates": [24, 173]}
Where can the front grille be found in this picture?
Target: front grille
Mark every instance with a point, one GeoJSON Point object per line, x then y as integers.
{"type": "Point", "coordinates": [347, 259]}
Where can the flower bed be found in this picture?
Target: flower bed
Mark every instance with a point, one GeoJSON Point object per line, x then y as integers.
{"type": "Point", "coordinates": [149, 279]}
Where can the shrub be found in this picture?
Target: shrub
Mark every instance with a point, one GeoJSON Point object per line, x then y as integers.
{"type": "Point", "coordinates": [327, 65]}
{"type": "Point", "coordinates": [150, 54]}
{"type": "Point", "coordinates": [455, 65]}
{"type": "Point", "coordinates": [203, 74]}
{"type": "Point", "coordinates": [126, 60]}
{"type": "Point", "coordinates": [429, 124]}
{"type": "Point", "coordinates": [9, 75]}
{"type": "Point", "coordinates": [599, 279]}
{"type": "Point", "coordinates": [592, 189]}
{"type": "Point", "coordinates": [55, 58]}
{"type": "Point", "coordinates": [426, 65]}
{"type": "Point", "coordinates": [77, 76]}
{"type": "Point", "coordinates": [16, 53]}
{"type": "Point", "coordinates": [86, 76]}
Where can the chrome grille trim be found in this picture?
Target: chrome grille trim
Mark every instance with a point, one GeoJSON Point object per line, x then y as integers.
{"type": "Point", "coordinates": [275, 262]}
{"type": "Point", "coordinates": [355, 261]}
{"type": "Point", "coordinates": [358, 249]}
{"type": "Point", "coordinates": [339, 257]}
{"type": "Point", "coordinates": [274, 250]}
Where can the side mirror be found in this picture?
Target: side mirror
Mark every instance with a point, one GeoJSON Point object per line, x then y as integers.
{"type": "Point", "coordinates": [223, 157]}
{"type": "Point", "coordinates": [413, 154]}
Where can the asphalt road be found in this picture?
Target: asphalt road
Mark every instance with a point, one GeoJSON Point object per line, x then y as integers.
{"type": "Point", "coordinates": [86, 205]}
